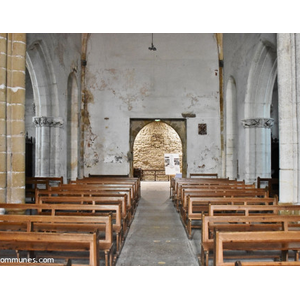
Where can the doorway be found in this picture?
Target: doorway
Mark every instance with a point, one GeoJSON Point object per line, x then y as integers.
{"type": "Point", "coordinates": [177, 125]}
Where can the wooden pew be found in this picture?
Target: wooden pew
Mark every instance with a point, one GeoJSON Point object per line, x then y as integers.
{"type": "Point", "coordinates": [267, 263]}
{"type": "Point", "coordinates": [46, 241]}
{"type": "Point", "coordinates": [179, 181]}
{"type": "Point", "coordinates": [244, 224]}
{"type": "Point", "coordinates": [205, 175]}
{"type": "Point", "coordinates": [132, 203]}
{"type": "Point", "coordinates": [213, 184]}
{"type": "Point", "coordinates": [283, 241]}
{"type": "Point", "coordinates": [65, 198]}
{"type": "Point", "coordinates": [64, 224]}
{"type": "Point", "coordinates": [272, 185]}
{"type": "Point", "coordinates": [91, 191]}
{"type": "Point", "coordinates": [197, 207]}
{"type": "Point", "coordinates": [198, 191]}
{"type": "Point", "coordinates": [33, 183]}
{"type": "Point", "coordinates": [136, 182]}
{"type": "Point", "coordinates": [231, 185]}
{"type": "Point", "coordinates": [187, 209]}
{"type": "Point", "coordinates": [79, 210]}
{"type": "Point", "coordinates": [247, 210]}
{"type": "Point", "coordinates": [89, 197]}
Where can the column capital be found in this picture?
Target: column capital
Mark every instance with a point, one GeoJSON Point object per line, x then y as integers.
{"type": "Point", "coordinates": [258, 123]}
{"type": "Point", "coordinates": [47, 121]}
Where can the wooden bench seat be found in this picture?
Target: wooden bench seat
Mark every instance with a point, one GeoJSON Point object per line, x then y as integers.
{"type": "Point", "coordinates": [247, 210]}
{"type": "Point", "coordinates": [204, 175]}
{"type": "Point", "coordinates": [197, 207]}
{"type": "Point", "coordinates": [272, 184]}
{"type": "Point", "coordinates": [113, 179]}
{"type": "Point", "coordinates": [219, 192]}
{"type": "Point", "coordinates": [244, 224]}
{"type": "Point", "coordinates": [31, 186]}
{"type": "Point", "coordinates": [33, 183]}
{"type": "Point", "coordinates": [267, 263]}
{"type": "Point", "coordinates": [46, 241]}
{"type": "Point", "coordinates": [282, 241]}
{"type": "Point", "coordinates": [78, 210]}
{"type": "Point", "coordinates": [93, 190]}
{"type": "Point", "coordinates": [178, 182]}
{"type": "Point", "coordinates": [89, 194]}
{"type": "Point", "coordinates": [67, 224]}
{"type": "Point", "coordinates": [219, 186]}
{"type": "Point", "coordinates": [132, 182]}
{"type": "Point", "coordinates": [72, 198]}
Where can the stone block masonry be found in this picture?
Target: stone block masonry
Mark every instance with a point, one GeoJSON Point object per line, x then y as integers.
{"type": "Point", "coordinates": [12, 117]}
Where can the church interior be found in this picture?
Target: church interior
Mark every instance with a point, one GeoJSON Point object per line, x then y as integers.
{"type": "Point", "coordinates": [149, 149]}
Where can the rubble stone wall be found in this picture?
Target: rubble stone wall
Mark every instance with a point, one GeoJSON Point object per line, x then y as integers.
{"type": "Point", "coordinates": [150, 145]}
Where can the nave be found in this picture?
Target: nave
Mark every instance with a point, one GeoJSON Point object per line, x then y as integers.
{"type": "Point", "coordinates": [156, 236]}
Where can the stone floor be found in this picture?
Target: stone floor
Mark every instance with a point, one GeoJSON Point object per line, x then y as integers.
{"type": "Point", "coordinates": [157, 236]}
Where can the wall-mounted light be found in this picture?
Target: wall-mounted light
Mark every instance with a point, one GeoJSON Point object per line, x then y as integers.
{"type": "Point", "coordinates": [152, 48]}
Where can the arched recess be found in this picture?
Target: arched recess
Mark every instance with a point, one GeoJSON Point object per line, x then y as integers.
{"type": "Point", "coordinates": [179, 125]}
{"type": "Point", "coordinates": [46, 120]}
{"type": "Point", "coordinates": [151, 143]}
{"type": "Point", "coordinates": [43, 77]}
{"type": "Point", "coordinates": [72, 127]}
{"type": "Point", "coordinates": [231, 129]}
{"type": "Point", "coordinates": [29, 127]}
{"type": "Point", "coordinates": [257, 122]}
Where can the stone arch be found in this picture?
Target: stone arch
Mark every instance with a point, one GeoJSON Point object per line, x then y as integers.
{"type": "Point", "coordinates": [46, 119]}
{"type": "Point", "coordinates": [257, 122]}
{"type": "Point", "coordinates": [231, 129]}
{"type": "Point", "coordinates": [261, 81]}
{"type": "Point", "coordinates": [40, 67]}
{"type": "Point", "coordinates": [179, 125]}
{"type": "Point", "coordinates": [30, 106]}
{"type": "Point", "coordinates": [152, 142]}
{"type": "Point", "coordinates": [72, 127]}
{"type": "Point", "coordinates": [34, 84]}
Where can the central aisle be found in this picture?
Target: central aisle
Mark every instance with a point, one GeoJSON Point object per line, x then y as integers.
{"type": "Point", "coordinates": [156, 236]}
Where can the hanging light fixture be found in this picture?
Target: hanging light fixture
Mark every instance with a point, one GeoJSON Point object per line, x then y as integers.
{"type": "Point", "coordinates": [152, 48]}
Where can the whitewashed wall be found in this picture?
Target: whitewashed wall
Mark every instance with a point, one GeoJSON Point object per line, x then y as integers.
{"type": "Point", "coordinates": [250, 61]}
{"type": "Point", "coordinates": [126, 80]}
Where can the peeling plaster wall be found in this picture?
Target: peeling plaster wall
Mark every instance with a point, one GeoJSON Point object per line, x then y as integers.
{"type": "Point", "coordinates": [239, 52]}
{"type": "Point", "coordinates": [125, 80]}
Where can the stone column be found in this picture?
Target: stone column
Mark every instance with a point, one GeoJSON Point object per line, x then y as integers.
{"type": "Point", "coordinates": [3, 73]}
{"type": "Point", "coordinates": [259, 148]}
{"type": "Point", "coordinates": [12, 117]}
{"type": "Point", "coordinates": [288, 53]}
{"type": "Point", "coordinates": [56, 125]}
{"type": "Point", "coordinates": [42, 151]}
{"type": "Point", "coordinates": [47, 146]}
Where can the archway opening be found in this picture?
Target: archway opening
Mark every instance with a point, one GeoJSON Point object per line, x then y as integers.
{"type": "Point", "coordinates": [150, 146]}
{"type": "Point", "coordinates": [29, 128]}
{"type": "Point", "coordinates": [275, 134]}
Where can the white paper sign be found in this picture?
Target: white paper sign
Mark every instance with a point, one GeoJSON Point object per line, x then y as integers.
{"type": "Point", "coordinates": [172, 164]}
